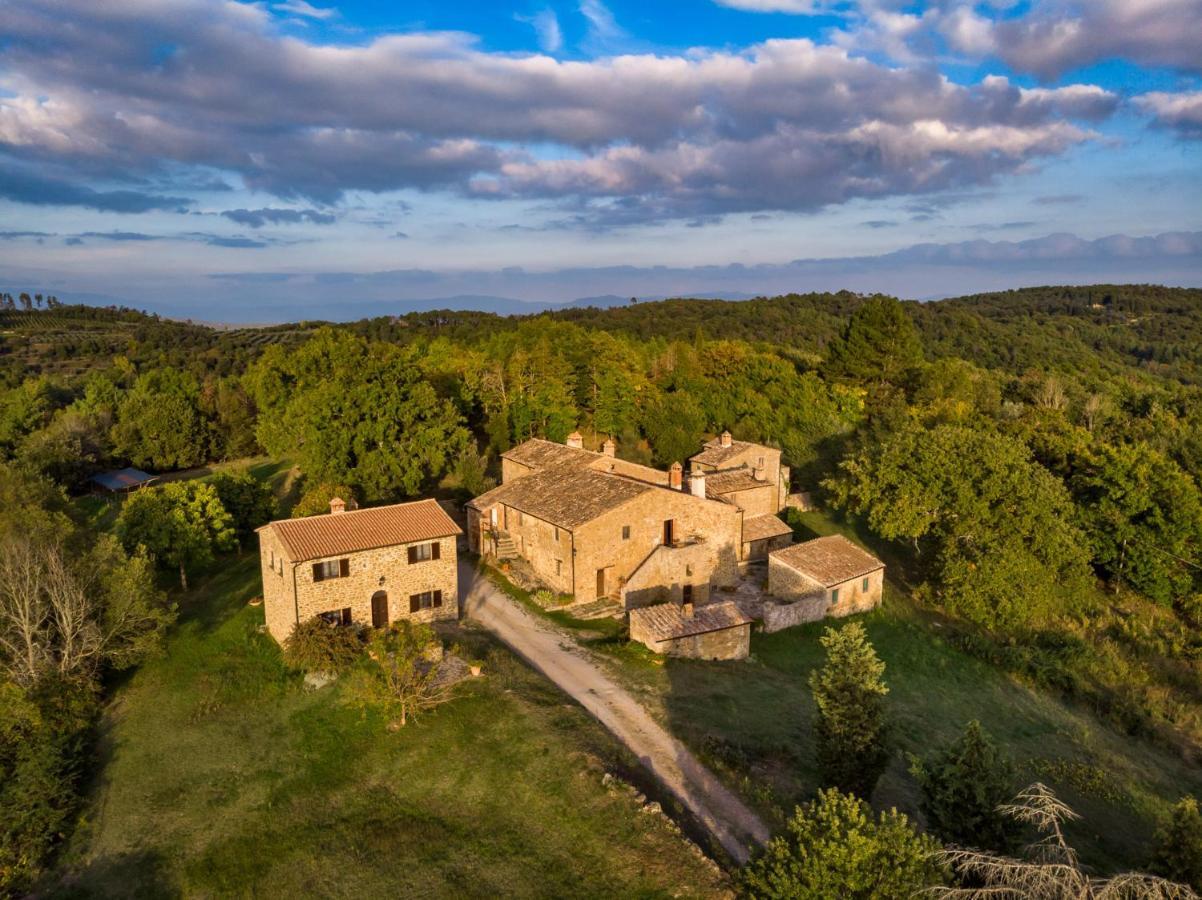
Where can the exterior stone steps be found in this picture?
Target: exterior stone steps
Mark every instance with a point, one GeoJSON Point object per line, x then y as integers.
{"type": "Point", "coordinates": [595, 609]}
{"type": "Point", "coordinates": [506, 548]}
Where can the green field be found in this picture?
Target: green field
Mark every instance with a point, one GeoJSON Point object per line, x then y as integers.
{"type": "Point", "coordinates": [753, 722]}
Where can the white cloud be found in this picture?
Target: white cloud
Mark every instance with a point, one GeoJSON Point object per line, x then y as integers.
{"type": "Point", "coordinates": [305, 10]}
{"type": "Point", "coordinates": [546, 28]}
{"type": "Point", "coordinates": [1182, 112]}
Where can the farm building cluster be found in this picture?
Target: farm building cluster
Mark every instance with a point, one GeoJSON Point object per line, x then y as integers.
{"type": "Point", "coordinates": [666, 549]}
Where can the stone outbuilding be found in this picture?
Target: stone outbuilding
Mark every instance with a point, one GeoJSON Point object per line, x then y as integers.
{"type": "Point", "coordinates": [366, 566]}
{"type": "Point", "coordinates": [714, 631]}
{"type": "Point", "coordinates": [826, 577]}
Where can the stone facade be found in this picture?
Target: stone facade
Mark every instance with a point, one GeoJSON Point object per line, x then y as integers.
{"type": "Point", "coordinates": [711, 631]}
{"type": "Point", "coordinates": [760, 549]}
{"type": "Point", "coordinates": [729, 643]}
{"type": "Point", "coordinates": [665, 574]}
{"type": "Point", "coordinates": [292, 593]}
{"type": "Point", "coordinates": [811, 600]}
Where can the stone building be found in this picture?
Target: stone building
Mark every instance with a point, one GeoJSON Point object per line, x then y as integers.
{"type": "Point", "coordinates": [368, 566]}
{"type": "Point", "coordinates": [715, 631]}
{"type": "Point", "coordinates": [826, 577]}
{"type": "Point", "coordinates": [595, 526]}
{"type": "Point", "coordinates": [751, 477]}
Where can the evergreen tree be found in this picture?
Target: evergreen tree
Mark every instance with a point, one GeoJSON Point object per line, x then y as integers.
{"type": "Point", "coordinates": [848, 691]}
{"type": "Point", "coordinates": [962, 787]}
{"type": "Point", "coordinates": [1178, 853]}
{"type": "Point", "coordinates": [834, 847]}
{"type": "Point", "coordinates": [879, 344]}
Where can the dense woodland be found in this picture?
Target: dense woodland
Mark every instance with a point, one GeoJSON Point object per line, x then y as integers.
{"type": "Point", "coordinates": [1031, 461]}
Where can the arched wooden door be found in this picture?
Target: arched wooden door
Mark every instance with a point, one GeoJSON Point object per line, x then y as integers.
{"type": "Point", "coordinates": [379, 609]}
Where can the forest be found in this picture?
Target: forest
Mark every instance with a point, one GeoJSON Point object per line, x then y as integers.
{"type": "Point", "coordinates": [1031, 460]}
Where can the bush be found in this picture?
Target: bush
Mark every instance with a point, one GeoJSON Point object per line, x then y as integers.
{"type": "Point", "coordinates": [544, 598]}
{"type": "Point", "coordinates": [318, 646]}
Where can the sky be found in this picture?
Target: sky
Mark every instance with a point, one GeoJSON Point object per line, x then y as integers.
{"type": "Point", "coordinates": [258, 162]}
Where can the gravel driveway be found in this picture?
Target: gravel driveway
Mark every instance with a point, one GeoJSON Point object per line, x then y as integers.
{"type": "Point", "coordinates": [556, 655]}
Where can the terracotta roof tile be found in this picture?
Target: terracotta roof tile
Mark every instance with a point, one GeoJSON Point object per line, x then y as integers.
{"type": "Point", "coordinates": [667, 622]}
{"type": "Point", "coordinates": [564, 496]}
{"type": "Point", "coordinates": [714, 454]}
{"type": "Point", "coordinates": [829, 560]}
{"type": "Point", "coordinates": [318, 537]}
{"type": "Point", "coordinates": [719, 483]}
{"type": "Point", "coordinates": [757, 528]}
{"type": "Point", "coordinates": [540, 454]}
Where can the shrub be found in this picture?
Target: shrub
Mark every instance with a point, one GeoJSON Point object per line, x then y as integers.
{"type": "Point", "coordinates": [543, 598]}
{"type": "Point", "coordinates": [835, 847]}
{"type": "Point", "coordinates": [318, 646]}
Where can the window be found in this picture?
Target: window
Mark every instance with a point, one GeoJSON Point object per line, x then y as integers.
{"type": "Point", "coordinates": [331, 568]}
{"type": "Point", "coordinates": [422, 552]}
{"type": "Point", "coordinates": [864, 586]}
{"type": "Point", "coordinates": [337, 616]}
{"type": "Point", "coordinates": [559, 567]}
{"type": "Point", "coordinates": [625, 532]}
{"type": "Point", "coordinates": [557, 534]}
{"type": "Point", "coordinates": [834, 595]}
{"type": "Point", "coordinates": [425, 600]}
{"type": "Point", "coordinates": [686, 594]}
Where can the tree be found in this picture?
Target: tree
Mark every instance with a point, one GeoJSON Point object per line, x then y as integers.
{"type": "Point", "coordinates": [182, 524]}
{"type": "Point", "coordinates": [1178, 853]}
{"type": "Point", "coordinates": [315, 501]}
{"type": "Point", "coordinates": [879, 344]}
{"type": "Point", "coordinates": [962, 787]}
{"type": "Point", "coordinates": [249, 501]}
{"type": "Point", "coordinates": [68, 616]}
{"type": "Point", "coordinates": [834, 847]}
{"type": "Point", "coordinates": [995, 528]}
{"type": "Point", "coordinates": [159, 423]}
{"type": "Point", "coordinates": [401, 674]}
{"type": "Point", "coordinates": [1050, 868]}
{"type": "Point", "coordinates": [850, 728]}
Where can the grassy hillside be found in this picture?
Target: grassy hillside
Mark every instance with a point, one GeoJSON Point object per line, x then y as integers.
{"type": "Point", "coordinates": [753, 722]}
{"type": "Point", "coordinates": [221, 775]}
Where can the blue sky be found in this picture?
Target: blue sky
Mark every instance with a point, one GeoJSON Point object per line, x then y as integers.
{"type": "Point", "coordinates": [260, 161]}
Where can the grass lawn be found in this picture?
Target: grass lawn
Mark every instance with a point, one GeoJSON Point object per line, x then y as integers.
{"type": "Point", "coordinates": [219, 774]}
{"type": "Point", "coordinates": [753, 722]}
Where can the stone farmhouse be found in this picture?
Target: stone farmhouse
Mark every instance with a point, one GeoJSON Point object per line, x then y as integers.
{"type": "Point", "coordinates": [366, 566]}
{"type": "Point", "coordinates": [714, 631]}
{"type": "Point", "coordinates": [826, 577]}
{"type": "Point", "coordinates": [598, 527]}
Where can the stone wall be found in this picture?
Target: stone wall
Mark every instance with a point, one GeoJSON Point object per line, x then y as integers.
{"type": "Point", "coordinates": [385, 569]}
{"type": "Point", "coordinates": [812, 601]}
{"type": "Point", "coordinates": [757, 501]}
{"type": "Point", "coordinates": [729, 643]}
{"type": "Point", "coordinates": [760, 549]}
{"type": "Point", "coordinates": [778, 616]}
{"type": "Point", "coordinates": [600, 545]}
{"type": "Point", "coordinates": [547, 548]}
{"type": "Point", "coordinates": [662, 576]}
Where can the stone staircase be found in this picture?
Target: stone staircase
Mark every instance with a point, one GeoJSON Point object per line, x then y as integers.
{"type": "Point", "coordinates": [604, 608]}
{"type": "Point", "coordinates": [506, 548]}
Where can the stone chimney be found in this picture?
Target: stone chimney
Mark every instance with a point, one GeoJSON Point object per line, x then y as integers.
{"type": "Point", "coordinates": [575, 439]}
{"type": "Point", "coordinates": [724, 440]}
{"type": "Point", "coordinates": [675, 476]}
{"type": "Point", "coordinates": [337, 505]}
{"type": "Point", "coordinates": [609, 448]}
{"type": "Point", "coordinates": [757, 472]}
{"type": "Point", "coordinates": [686, 609]}
{"type": "Point", "coordinates": [697, 483]}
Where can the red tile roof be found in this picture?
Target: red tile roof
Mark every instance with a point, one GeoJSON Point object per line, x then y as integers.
{"type": "Point", "coordinates": [336, 534]}
{"type": "Point", "coordinates": [667, 621]}
{"type": "Point", "coordinates": [829, 560]}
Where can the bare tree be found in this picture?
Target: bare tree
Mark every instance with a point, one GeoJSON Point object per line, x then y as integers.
{"type": "Point", "coordinates": [59, 618]}
{"type": "Point", "coordinates": [1051, 869]}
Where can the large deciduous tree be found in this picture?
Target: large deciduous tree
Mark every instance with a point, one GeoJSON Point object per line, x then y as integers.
{"type": "Point", "coordinates": [995, 529]}
{"type": "Point", "coordinates": [849, 693]}
{"type": "Point", "coordinates": [182, 524]}
{"type": "Point", "coordinates": [159, 422]}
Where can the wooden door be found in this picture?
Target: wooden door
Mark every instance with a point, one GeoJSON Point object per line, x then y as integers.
{"type": "Point", "coordinates": [379, 609]}
{"type": "Point", "coordinates": [600, 583]}
{"type": "Point", "coordinates": [668, 532]}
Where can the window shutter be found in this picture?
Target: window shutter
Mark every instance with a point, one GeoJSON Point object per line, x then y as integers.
{"type": "Point", "coordinates": [344, 568]}
{"type": "Point", "coordinates": [438, 598]}
{"type": "Point", "coordinates": [317, 576]}
{"type": "Point", "coordinates": [436, 550]}
{"type": "Point", "coordinates": [415, 602]}
{"type": "Point", "coordinates": [346, 615]}
{"type": "Point", "coordinates": [412, 555]}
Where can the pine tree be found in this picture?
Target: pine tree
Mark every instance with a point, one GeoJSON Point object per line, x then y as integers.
{"type": "Point", "coordinates": [850, 729]}
{"type": "Point", "coordinates": [962, 787]}
{"type": "Point", "coordinates": [1179, 845]}
{"type": "Point", "coordinates": [879, 344]}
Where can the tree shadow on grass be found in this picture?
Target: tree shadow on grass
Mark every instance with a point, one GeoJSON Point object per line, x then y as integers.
{"type": "Point", "coordinates": [142, 874]}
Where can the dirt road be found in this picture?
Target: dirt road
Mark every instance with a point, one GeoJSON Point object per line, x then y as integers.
{"type": "Point", "coordinates": [554, 653]}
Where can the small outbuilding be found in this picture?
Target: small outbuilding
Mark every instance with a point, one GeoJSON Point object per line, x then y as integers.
{"type": "Point", "coordinates": [763, 534]}
{"type": "Point", "coordinates": [122, 481]}
{"type": "Point", "coordinates": [828, 576]}
{"type": "Point", "coordinates": [713, 631]}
